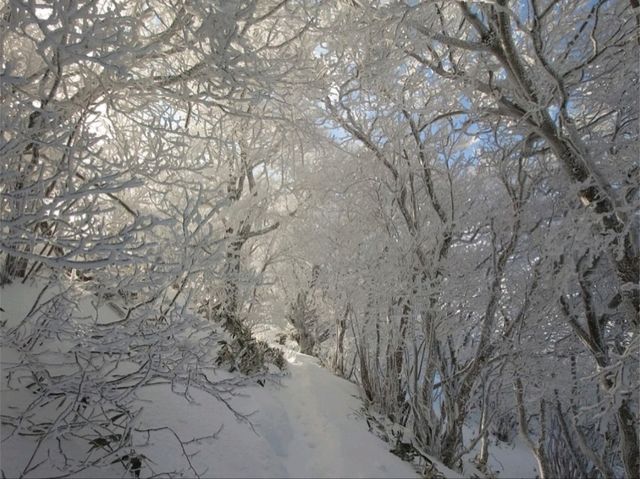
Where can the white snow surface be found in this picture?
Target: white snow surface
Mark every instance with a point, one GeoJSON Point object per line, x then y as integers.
{"type": "Point", "coordinates": [506, 460]}
{"type": "Point", "coordinates": [306, 426]}
{"type": "Point", "coordinates": [311, 423]}
{"type": "Point", "coordinates": [306, 423]}
{"type": "Point", "coordinates": [303, 424]}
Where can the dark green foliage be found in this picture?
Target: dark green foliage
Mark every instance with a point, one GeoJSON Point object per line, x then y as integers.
{"type": "Point", "coordinates": [105, 442]}
{"type": "Point", "coordinates": [404, 450]}
{"type": "Point", "coordinates": [132, 462]}
{"type": "Point", "coordinates": [249, 356]}
{"type": "Point", "coordinates": [303, 317]}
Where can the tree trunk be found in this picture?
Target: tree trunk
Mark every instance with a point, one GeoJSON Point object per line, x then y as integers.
{"type": "Point", "coordinates": [628, 440]}
{"type": "Point", "coordinates": [364, 375]}
{"type": "Point", "coordinates": [538, 449]}
{"type": "Point", "coordinates": [229, 311]}
{"type": "Point", "coordinates": [341, 326]}
{"type": "Point", "coordinates": [452, 441]}
{"type": "Point", "coordinates": [14, 267]}
{"type": "Point", "coordinates": [483, 457]}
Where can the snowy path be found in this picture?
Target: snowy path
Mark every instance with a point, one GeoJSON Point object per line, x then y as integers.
{"type": "Point", "coordinates": [307, 426]}
{"type": "Point", "coordinates": [312, 426]}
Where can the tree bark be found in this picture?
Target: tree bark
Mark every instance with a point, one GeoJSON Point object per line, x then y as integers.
{"type": "Point", "coordinates": [341, 327]}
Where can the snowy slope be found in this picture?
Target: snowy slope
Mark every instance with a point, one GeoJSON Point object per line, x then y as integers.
{"type": "Point", "coordinates": [305, 423]}
{"type": "Point", "coordinates": [312, 425]}
{"type": "Point", "coordinates": [505, 460]}
{"type": "Point", "coordinates": [302, 424]}
{"type": "Point", "coordinates": [305, 426]}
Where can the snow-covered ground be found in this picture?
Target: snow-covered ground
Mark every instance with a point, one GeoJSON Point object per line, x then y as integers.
{"type": "Point", "coordinates": [506, 460]}
{"type": "Point", "coordinates": [304, 426]}
{"type": "Point", "coordinates": [304, 423]}
{"type": "Point", "coordinates": [311, 423]}
{"type": "Point", "coordinates": [301, 424]}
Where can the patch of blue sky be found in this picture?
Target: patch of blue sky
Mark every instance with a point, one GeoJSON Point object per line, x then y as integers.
{"type": "Point", "coordinates": [333, 130]}
{"type": "Point", "coordinates": [320, 50]}
{"type": "Point", "coordinates": [524, 11]}
{"type": "Point", "coordinates": [465, 101]}
{"type": "Point", "coordinates": [579, 46]}
{"type": "Point", "coordinates": [554, 112]}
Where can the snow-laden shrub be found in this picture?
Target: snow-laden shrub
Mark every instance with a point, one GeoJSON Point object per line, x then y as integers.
{"type": "Point", "coordinates": [249, 356]}
{"type": "Point", "coordinates": [74, 367]}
